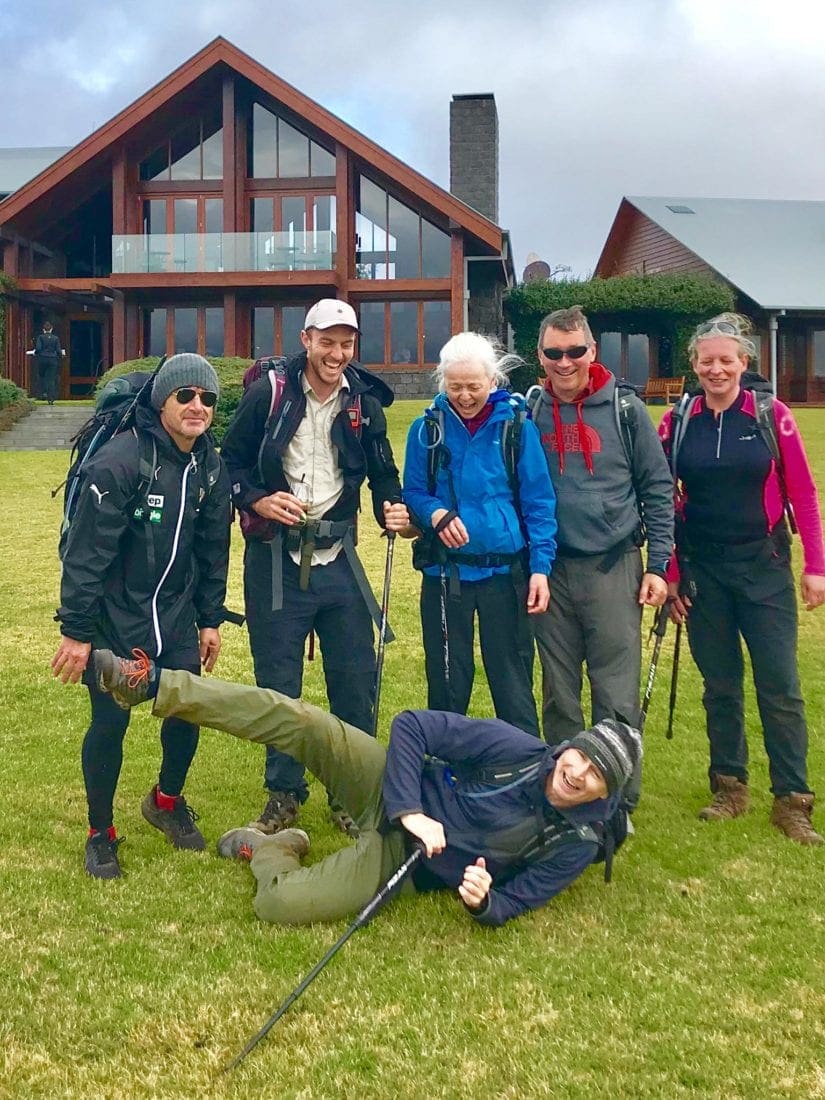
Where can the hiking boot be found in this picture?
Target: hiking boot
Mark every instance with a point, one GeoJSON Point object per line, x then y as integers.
{"type": "Point", "coordinates": [240, 843]}
{"type": "Point", "coordinates": [130, 682]}
{"type": "Point", "coordinates": [791, 814]}
{"type": "Point", "coordinates": [178, 824]}
{"type": "Point", "coordinates": [342, 820]}
{"type": "Point", "coordinates": [730, 799]}
{"type": "Point", "coordinates": [101, 856]}
{"type": "Point", "coordinates": [294, 840]}
{"type": "Point", "coordinates": [279, 813]}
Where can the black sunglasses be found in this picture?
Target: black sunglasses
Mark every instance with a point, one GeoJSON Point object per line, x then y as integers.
{"type": "Point", "coordinates": [718, 326]}
{"type": "Point", "coordinates": [572, 353]}
{"type": "Point", "coordinates": [186, 394]}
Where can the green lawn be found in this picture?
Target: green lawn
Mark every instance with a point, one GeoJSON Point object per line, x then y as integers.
{"type": "Point", "coordinates": [698, 971]}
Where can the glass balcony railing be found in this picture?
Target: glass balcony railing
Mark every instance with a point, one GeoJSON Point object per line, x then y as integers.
{"type": "Point", "coordinates": [135, 254]}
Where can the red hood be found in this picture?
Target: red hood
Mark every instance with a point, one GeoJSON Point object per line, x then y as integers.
{"type": "Point", "coordinates": [598, 377]}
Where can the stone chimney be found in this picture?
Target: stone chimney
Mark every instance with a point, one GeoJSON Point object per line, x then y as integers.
{"type": "Point", "coordinates": [474, 152]}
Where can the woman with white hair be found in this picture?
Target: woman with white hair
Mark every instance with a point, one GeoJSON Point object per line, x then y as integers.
{"type": "Point", "coordinates": [476, 481]}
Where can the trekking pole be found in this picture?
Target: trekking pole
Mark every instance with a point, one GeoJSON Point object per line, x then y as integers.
{"type": "Point", "coordinates": [445, 633]}
{"type": "Point", "coordinates": [659, 627]}
{"type": "Point", "coordinates": [382, 633]}
{"type": "Point", "coordinates": [674, 679]}
{"type": "Point", "coordinates": [363, 917]}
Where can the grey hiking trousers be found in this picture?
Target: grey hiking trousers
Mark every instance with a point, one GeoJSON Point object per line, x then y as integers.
{"type": "Point", "coordinates": [347, 761]}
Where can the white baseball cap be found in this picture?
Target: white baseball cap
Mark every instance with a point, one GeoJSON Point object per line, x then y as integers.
{"type": "Point", "coordinates": [329, 312]}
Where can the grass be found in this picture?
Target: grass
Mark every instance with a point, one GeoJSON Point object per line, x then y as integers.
{"type": "Point", "coordinates": [698, 972]}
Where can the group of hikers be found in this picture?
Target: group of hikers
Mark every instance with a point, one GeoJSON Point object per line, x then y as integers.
{"type": "Point", "coordinates": [527, 513]}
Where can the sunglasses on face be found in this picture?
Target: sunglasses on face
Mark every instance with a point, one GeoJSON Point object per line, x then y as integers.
{"type": "Point", "coordinates": [186, 394]}
{"type": "Point", "coordinates": [559, 353]}
{"type": "Point", "coordinates": [717, 326]}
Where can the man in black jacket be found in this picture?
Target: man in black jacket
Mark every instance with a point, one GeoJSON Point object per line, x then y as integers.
{"type": "Point", "coordinates": [48, 353]}
{"type": "Point", "coordinates": [297, 455]}
{"type": "Point", "coordinates": [145, 569]}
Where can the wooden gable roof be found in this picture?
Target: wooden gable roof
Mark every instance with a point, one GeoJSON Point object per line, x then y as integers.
{"type": "Point", "coordinates": [218, 53]}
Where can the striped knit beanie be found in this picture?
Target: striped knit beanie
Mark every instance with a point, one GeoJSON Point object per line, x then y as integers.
{"type": "Point", "coordinates": [615, 749]}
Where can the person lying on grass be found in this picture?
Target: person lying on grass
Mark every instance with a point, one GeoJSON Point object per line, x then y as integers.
{"type": "Point", "coordinates": [505, 819]}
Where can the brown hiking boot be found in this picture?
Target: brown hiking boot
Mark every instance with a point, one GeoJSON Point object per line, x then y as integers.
{"type": "Point", "coordinates": [280, 812]}
{"type": "Point", "coordinates": [791, 814]}
{"type": "Point", "coordinates": [730, 799]}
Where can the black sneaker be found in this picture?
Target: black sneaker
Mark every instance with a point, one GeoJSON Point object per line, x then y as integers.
{"type": "Point", "coordinates": [178, 824]}
{"type": "Point", "coordinates": [130, 682]}
{"type": "Point", "coordinates": [280, 812]}
{"type": "Point", "coordinates": [101, 857]}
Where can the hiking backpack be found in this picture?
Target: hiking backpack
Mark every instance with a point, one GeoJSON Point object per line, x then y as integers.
{"type": "Point", "coordinates": [550, 829]}
{"type": "Point", "coordinates": [765, 423]}
{"type": "Point", "coordinates": [252, 525]}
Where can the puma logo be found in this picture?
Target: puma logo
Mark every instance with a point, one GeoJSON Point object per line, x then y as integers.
{"type": "Point", "coordinates": [98, 493]}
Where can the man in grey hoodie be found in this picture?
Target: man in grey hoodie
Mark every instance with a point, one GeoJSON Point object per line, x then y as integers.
{"type": "Point", "coordinates": [599, 585]}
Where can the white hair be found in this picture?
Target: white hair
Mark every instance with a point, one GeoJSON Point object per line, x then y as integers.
{"type": "Point", "coordinates": [472, 347]}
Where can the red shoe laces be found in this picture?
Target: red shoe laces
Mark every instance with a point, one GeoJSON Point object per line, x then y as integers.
{"type": "Point", "coordinates": [136, 672]}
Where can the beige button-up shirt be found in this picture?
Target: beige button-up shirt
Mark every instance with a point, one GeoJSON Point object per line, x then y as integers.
{"type": "Point", "coordinates": [310, 462]}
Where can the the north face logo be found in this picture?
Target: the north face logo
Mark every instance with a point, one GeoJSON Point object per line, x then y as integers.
{"type": "Point", "coordinates": [572, 439]}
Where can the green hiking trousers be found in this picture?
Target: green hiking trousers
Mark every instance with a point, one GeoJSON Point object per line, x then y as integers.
{"type": "Point", "coordinates": [348, 762]}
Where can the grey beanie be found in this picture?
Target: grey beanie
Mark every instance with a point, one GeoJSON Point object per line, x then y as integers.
{"type": "Point", "coordinates": [184, 369]}
{"type": "Point", "coordinates": [615, 749]}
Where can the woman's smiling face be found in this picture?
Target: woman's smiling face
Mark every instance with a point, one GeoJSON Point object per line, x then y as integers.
{"type": "Point", "coordinates": [468, 387]}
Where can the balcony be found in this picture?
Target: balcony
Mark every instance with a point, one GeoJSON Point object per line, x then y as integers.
{"type": "Point", "coordinates": [136, 254]}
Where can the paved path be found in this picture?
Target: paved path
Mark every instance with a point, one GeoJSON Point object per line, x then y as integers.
{"type": "Point", "coordinates": [46, 428]}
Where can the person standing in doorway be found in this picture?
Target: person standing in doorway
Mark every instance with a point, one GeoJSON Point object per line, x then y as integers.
{"type": "Point", "coordinates": [48, 354]}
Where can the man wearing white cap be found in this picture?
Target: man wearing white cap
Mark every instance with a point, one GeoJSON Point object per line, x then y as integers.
{"type": "Point", "coordinates": [298, 453]}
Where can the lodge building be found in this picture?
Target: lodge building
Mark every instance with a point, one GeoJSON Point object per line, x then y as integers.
{"type": "Point", "coordinates": [210, 213]}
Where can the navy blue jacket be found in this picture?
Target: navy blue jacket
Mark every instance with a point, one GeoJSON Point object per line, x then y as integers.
{"type": "Point", "coordinates": [109, 594]}
{"type": "Point", "coordinates": [481, 818]}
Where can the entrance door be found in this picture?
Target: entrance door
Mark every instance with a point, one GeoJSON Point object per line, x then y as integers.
{"type": "Point", "coordinates": [85, 358]}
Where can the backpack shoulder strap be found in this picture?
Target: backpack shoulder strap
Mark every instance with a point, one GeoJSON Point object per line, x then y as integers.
{"type": "Point", "coordinates": [766, 423]}
{"type": "Point", "coordinates": [531, 400]}
{"type": "Point", "coordinates": [434, 427]}
{"type": "Point", "coordinates": [626, 412]}
{"type": "Point", "coordinates": [679, 420]}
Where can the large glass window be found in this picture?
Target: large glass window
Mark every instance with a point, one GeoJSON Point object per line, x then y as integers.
{"type": "Point", "coordinates": [186, 329]}
{"type": "Point", "coordinates": [415, 332]}
{"type": "Point", "coordinates": [371, 339]}
{"type": "Point", "coordinates": [193, 152]}
{"type": "Point", "coordinates": [276, 330]}
{"type": "Point", "coordinates": [154, 341]}
{"type": "Point", "coordinates": [436, 329]}
{"type": "Point", "coordinates": [395, 242]}
{"type": "Point", "coordinates": [404, 332]}
{"type": "Point", "coordinates": [819, 353]}
{"type": "Point", "coordinates": [626, 354]}
{"type": "Point", "coordinates": [213, 331]}
{"type": "Point", "coordinates": [277, 150]}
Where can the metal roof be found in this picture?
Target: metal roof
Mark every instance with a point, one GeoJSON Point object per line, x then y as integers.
{"type": "Point", "coordinates": [18, 166]}
{"type": "Point", "coordinates": [772, 250]}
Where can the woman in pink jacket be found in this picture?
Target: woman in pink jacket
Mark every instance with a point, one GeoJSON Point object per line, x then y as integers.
{"type": "Point", "coordinates": [741, 472]}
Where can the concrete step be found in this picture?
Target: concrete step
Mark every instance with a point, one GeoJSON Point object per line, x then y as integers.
{"type": "Point", "coordinates": [46, 428]}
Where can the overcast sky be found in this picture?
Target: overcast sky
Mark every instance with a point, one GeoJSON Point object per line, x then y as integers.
{"type": "Point", "coordinates": [596, 98]}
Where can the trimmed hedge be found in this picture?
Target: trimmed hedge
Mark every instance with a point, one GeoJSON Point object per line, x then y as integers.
{"type": "Point", "coordinates": [230, 375]}
{"type": "Point", "coordinates": [659, 305]}
{"type": "Point", "coordinates": [14, 402]}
